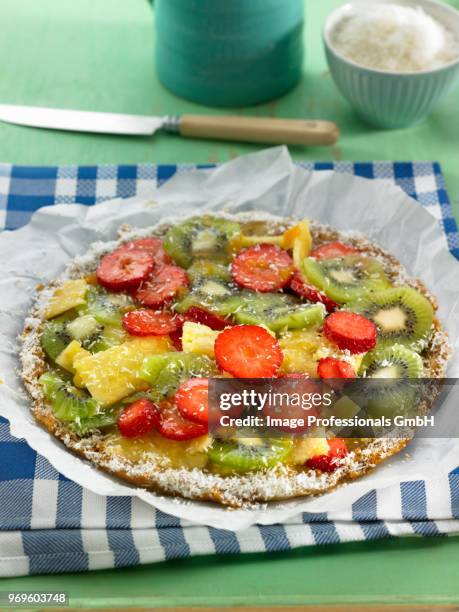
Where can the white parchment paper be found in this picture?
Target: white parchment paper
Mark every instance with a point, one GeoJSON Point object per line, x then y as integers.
{"type": "Point", "coordinates": [265, 181]}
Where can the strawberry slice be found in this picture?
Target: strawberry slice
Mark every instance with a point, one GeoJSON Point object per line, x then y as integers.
{"type": "Point", "coordinates": [150, 323]}
{"type": "Point", "coordinates": [350, 331]}
{"type": "Point", "coordinates": [124, 269]}
{"type": "Point", "coordinates": [329, 367]}
{"type": "Point", "coordinates": [153, 246]}
{"type": "Point", "coordinates": [138, 419]}
{"type": "Point", "coordinates": [264, 267]}
{"type": "Point", "coordinates": [248, 351]}
{"type": "Point", "coordinates": [199, 315]}
{"type": "Point", "coordinates": [176, 334]}
{"type": "Point", "coordinates": [329, 462]}
{"type": "Point", "coordinates": [192, 400]}
{"type": "Point", "coordinates": [173, 426]}
{"type": "Point", "coordinates": [335, 369]}
{"type": "Point", "coordinates": [310, 293]}
{"type": "Point", "coordinates": [176, 337]}
{"type": "Point", "coordinates": [331, 250]}
{"type": "Point", "coordinates": [164, 285]}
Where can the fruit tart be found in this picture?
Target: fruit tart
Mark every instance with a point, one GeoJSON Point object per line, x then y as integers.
{"type": "Point", "coordinates": [117, 354]}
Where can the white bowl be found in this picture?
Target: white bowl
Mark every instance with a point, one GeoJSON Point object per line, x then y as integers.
{"type": "Point", "coordinates": [392, 99]}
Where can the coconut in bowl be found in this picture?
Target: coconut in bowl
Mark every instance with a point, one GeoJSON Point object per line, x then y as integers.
{"type": "Point", "coordinates": [393, 61]}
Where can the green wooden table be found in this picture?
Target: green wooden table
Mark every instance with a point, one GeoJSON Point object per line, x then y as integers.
{"type": "Point", "coordinates": [98, 55]}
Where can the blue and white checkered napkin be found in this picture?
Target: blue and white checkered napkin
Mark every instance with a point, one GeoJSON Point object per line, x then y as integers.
{"type": "Point", "coordinates": [50, 524]}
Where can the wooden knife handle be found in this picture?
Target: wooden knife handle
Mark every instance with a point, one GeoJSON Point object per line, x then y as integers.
{"type": "Point", "coordinates": [259, 129]}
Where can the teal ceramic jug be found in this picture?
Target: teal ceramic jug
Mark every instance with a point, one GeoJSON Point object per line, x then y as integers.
{"type": "Point", "coordinates": [229, 52]}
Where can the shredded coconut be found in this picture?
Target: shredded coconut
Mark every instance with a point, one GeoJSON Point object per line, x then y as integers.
{"type": "Point", "coordinates": [394, 38]}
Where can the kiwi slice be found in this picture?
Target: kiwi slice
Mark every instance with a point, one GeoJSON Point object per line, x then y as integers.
{"type": "Point", "coordinates": [402, 316]}
{"type": "Point", "coordinates": [245, 455]}
{"type": "Point", "coordinates": [68, 402]}
{"type": "Point", "coordinates": [55, 337]}
{"type": "Point", "coordinates": [112, 335]}
{"type": "Point", "coordinates": [199, 237]}
{"type": "Point", "coordinates": [98, 421]}
{"type": "Point", "coordinates": [93, 336]}
{"type": "Point", "coordinates": [84, 328]}
{"type": "Point", "coordinates": [209, 268]}
{"type": "Point", "coordinates": [58, 333]}
{"type": "Point", "coordinates": [76, 407]}
{"type": "Point", "coordinates": [166, 372]}
{"type": "Point", "coordinates": [395, 361]}
{"type": "Point", "coordinates": [393, 366]}
{"type": "Point", "coordinates": [346, 278]}
{"type": "Point", "coordinates": [106, 308]}
{"type": "Point", "coordinates": [277, 311]}
{"type": "Point", "coordinates": [210, 293]}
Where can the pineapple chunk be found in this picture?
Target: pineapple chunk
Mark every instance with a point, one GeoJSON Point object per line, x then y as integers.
{"type": "Point", "coordinates": [78, 381]}
{"type": "Point", "coordinates": [299, 239]}
{"type": "Point", "coordinates": [198, 338]}
{"type": "Point", "coordinates": [69, 295]}
{"type": "Point", "coordinates": [298, 361]}
{"type": "Point", "coordinates": [306, 448]}
{"type": "Point", "coordinates": [70, 355]}
{"type": "Point", "coordinates": [298, 348]}
{"type": "Point", "coordinates": [303, 348]}
{"type": "Point", "coordinates": [200, 445]}
{"type": "Point", "coordinates": [171, 453]}
{"type": "Point", "coordinates": [112, 375]}
{"type": "Point", "coordinates": [306, 339]}
{"type": "Point", "coordinates": [357, 361]}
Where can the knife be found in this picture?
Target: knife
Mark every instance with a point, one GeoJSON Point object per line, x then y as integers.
{"type": "Point", "coordinates": [220, 127]}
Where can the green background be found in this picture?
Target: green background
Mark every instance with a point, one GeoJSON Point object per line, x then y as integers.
{"type": "Point", "coordinates": [98, 55]}
{"type": "Point", "coordinates": [409, 570]}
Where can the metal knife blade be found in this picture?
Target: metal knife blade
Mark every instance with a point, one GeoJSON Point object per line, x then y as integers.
{"type": "Point", "coordinates": [81, 121]}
